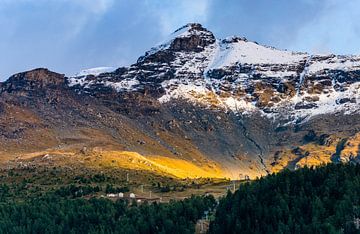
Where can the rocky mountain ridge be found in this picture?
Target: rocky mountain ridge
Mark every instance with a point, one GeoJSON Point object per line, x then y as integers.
{"type": "Point", "coordinates": [227, 103]}
{"type": "Point", "coordinates": [239, 75]}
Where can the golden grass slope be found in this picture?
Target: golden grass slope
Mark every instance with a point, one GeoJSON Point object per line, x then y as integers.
{"type": "Point", "coordinates": [314, 154]}
{"type": "Point", "coordinates": [351, 148]}
{"type": "Point", "coordinates": [98, 158]}
{"type": "Point", "coordinates": [162, 165]}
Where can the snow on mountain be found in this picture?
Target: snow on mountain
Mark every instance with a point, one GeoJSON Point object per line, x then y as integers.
{"type": "Point", "coordinates": [95, 71]}
{"type": "Point", "coordinates": [80, 77]}
{"type": "Point", "coordinates": [239, 50]}
{"type": "Point", "coordinates": [332, 101]}
{"type": "Point", "coordinates": [186, 31]}
{"type": "Point", "coordinates": [126, 84]}
{"type": "Point", "coordinates": [333, 62]}
{"type": "Point", "coordinates": [238, 75]}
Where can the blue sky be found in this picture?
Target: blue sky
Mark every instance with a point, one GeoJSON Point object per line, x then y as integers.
{"type": "Point", "coordinates": [69, 35]}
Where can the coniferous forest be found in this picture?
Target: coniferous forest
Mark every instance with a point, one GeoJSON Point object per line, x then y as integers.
{"type": "Point", "coordinates": [50, 215]}
{"type": "Point", "coordinates": [309, 200]}
{"type": "Point", "coordinates": [321, 200]}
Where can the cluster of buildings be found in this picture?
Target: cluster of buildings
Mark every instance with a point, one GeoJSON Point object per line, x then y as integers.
{"type": "Point", "coordinates": [131, 197]}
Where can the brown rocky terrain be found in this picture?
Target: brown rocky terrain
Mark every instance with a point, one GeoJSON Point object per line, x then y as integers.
{"type": "Point", "coordinates": [183, 111]}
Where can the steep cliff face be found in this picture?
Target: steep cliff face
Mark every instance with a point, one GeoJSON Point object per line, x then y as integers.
{"type": "Point", "coordinates": [248, 108]}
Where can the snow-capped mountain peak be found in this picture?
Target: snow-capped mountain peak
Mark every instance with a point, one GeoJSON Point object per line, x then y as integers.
{"type": "Point", "coordinates": [239, 75]}
{"type": "Point", "coordinates": [234, 101]}
{"type": "Point", "coordinates": [191, 37]}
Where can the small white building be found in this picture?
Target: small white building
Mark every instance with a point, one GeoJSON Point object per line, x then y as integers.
{"type": "Point", "coordinates": [121, 195]}
{"type": "Point", "coordinates": [132, 195]}
{"type": "Point", "coordinates": [111, 195]}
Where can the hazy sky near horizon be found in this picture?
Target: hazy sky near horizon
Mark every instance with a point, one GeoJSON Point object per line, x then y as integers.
{"type": "Point", "coordinates": [70, 35]}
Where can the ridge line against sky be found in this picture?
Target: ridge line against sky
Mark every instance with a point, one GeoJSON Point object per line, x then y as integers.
{"type": "Point", "coordinates": [69, 35]}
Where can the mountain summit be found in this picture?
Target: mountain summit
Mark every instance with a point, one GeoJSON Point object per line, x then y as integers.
{"type": "Point", "coordinates": [241, 75]}
{"type": "Point", "coordinates": [228, 107]}
{"type": "Point", "coordinates": [191, 37]}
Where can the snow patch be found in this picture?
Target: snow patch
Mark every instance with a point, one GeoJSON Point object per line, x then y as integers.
{"type": "Point", "coordinates": [247, 52]}
{"type": "Point", "coordinates": [95, 71]}
{"type": "Point", "coordinates": [124, 85]}
{"type": "Point", "coordinates": [330, 102]}
{"type": "Point", "coordinates": [198, 92]}
{"type": "Point", "coordinates": [347, 63]}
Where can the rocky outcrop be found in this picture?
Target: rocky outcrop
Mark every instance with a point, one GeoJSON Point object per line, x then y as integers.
{"type": "Point", "coordinates": [197, 39]}
{"type": "Point", "coordinates": [34, 79]}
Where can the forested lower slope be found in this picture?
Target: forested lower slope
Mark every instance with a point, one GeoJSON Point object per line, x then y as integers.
{"type": "Point", "coordinates": [309, 200]}
{"type": "Point", "coordinates": [52, 214]}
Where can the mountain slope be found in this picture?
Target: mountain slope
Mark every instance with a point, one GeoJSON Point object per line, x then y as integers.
{"type": "Point", "coordinates": [232, 105]}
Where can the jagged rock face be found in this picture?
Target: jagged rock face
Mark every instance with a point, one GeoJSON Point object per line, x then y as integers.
{"type": "Point", "coordinates": [35, 79]}
{"type": "Point", "coordinates": [253, 109]}
{"type": "Point", "coordinates": [196, 40]}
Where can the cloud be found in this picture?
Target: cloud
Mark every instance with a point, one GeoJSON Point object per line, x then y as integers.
{"type": "Point", "coordinates": [94, 6]}
{"type": "Point", "coordinates": [174, 14]}
{"type": "Point", "coordinates": [97, 7]}
{"type": "Point", "coordinates": [91, 12]}
{"type": "Point", "coordinates": [76, 14]}
{"type": "Point", "coordinates": [335, 30]}
{"type": "Point", "coordinates": [41, 33]}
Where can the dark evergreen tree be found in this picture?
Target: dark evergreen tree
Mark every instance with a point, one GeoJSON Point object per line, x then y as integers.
{"type": "Point", "coordinates": [309, 200]}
